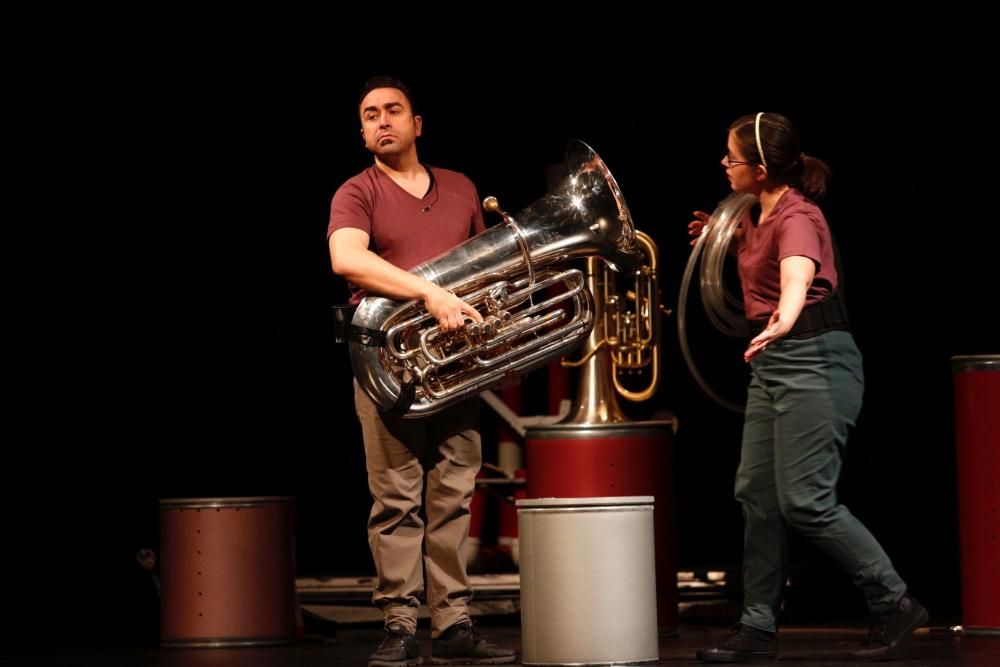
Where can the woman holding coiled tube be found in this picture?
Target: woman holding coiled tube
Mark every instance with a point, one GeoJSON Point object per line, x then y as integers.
{"type": "Point", "coordinates": [805, 392]}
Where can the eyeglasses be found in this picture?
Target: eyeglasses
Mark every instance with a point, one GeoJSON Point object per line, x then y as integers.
{"type": "Point", "coordinates": [730, 161]}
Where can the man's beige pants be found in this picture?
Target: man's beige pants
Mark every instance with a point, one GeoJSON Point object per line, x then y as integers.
{"type": "Point", "coordinates": [444, 448]}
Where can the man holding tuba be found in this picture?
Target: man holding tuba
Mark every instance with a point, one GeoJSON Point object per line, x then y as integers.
{"type": "Point", "coordinates": [389, 218]}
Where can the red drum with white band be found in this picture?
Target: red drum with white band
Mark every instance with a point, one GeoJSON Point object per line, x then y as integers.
{"type": "Point", "coordinates": [607, 460]}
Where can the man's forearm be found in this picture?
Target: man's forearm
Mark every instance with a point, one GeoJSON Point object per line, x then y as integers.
{"type": "Point", "coordinates": [372, 273]}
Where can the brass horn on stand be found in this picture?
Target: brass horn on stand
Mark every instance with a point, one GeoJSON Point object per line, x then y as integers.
{"type": "Point", "coordinates": [625, 339]}
{"type": "Point", "coordinates": [597, 453]}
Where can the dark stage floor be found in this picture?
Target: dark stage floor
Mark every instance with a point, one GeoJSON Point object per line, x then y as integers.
{"type": "Point", "coordinates": [352, 644]}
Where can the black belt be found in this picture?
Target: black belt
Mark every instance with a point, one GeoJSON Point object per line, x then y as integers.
{"type": "Point", "coordinates": [830, 314]}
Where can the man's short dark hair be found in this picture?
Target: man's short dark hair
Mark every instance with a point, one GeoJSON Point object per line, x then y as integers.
{"type": "Point", "coordinates": [386, 82]}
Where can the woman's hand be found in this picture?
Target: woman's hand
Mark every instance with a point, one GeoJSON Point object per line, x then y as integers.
{"type": "Point", "coordinates": [697, 226]}
{"type": "Point", "coordinates": [797, 273]}
{"type": "Point", "coordinates": [774, 330]}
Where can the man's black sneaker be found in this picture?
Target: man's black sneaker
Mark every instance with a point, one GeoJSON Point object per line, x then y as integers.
{"type": "Point", "coordinates": [398, 649]}
{"type": "Point", "coordinates": [461, 644]}
{"type": "Point", "coordinates": [744, 645]}
{"type": "Point", "coordinates": [891, 631]}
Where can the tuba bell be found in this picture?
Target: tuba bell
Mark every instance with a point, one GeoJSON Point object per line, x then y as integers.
{"type": "Point", "coordinates": [534, 307]}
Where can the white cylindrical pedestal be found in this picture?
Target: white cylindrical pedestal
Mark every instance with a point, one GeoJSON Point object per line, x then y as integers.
{"type": "Point", "coordinates": [588, 581]}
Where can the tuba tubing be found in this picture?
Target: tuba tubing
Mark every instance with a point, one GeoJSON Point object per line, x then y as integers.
{"type": "Point", "coordinates": [409, 368]}
{"type": "Point", "coordinates": [723, 308]}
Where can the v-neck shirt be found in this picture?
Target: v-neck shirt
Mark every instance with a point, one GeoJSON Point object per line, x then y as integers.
{"type": "Point", "coordinates": [403, 229]}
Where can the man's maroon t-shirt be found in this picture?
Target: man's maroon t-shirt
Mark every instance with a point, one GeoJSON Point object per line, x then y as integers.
{"type": "Point", "coordinates": [403, 229]}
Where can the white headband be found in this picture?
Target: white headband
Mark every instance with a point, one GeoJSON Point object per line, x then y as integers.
{"type": "Point", "coordinates": [760, 149]}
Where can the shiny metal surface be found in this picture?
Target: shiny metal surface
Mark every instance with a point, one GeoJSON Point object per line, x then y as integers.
{"type": "Point", "coordinates": [596, 401]}
{"type": "Point", "coordinates": [610, 430]}
{"type": "Point", "coordinates": [625, 339]}
{"type": "Point", "coordinates": [528, 504]}
{"type": "Point", "coordinates": [976, 362]}
{"type": "Point", "coordinates": [229, 503]}
{"type": "Point", "coordinates": [588, 582]}
{"type": "Point", "coordinates": [503, 272]}
{"type": "Point", "coordinates": [636, 331]}
{"type": "Point", "coordinates": [724, 309]}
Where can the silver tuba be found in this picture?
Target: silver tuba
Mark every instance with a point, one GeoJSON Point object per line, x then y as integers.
{"type": "Point", "coordinates": [534, 307]}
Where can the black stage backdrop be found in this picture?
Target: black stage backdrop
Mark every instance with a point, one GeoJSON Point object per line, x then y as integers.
{"type": "Point", "coordinates": [181, 343]}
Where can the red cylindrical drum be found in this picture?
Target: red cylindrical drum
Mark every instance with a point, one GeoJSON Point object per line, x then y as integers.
{"type": "Point", "coordinates": [227, 567]}
{"type": "Point", "coordinates": [977, 445]}
{"type": "Point", "coordinates": [626, 459]}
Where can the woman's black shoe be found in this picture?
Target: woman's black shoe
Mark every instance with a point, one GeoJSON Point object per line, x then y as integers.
{"type": "Point", "coordinates": [746, 644]}
{"type": "Point", "coordinates": [891, 631]}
